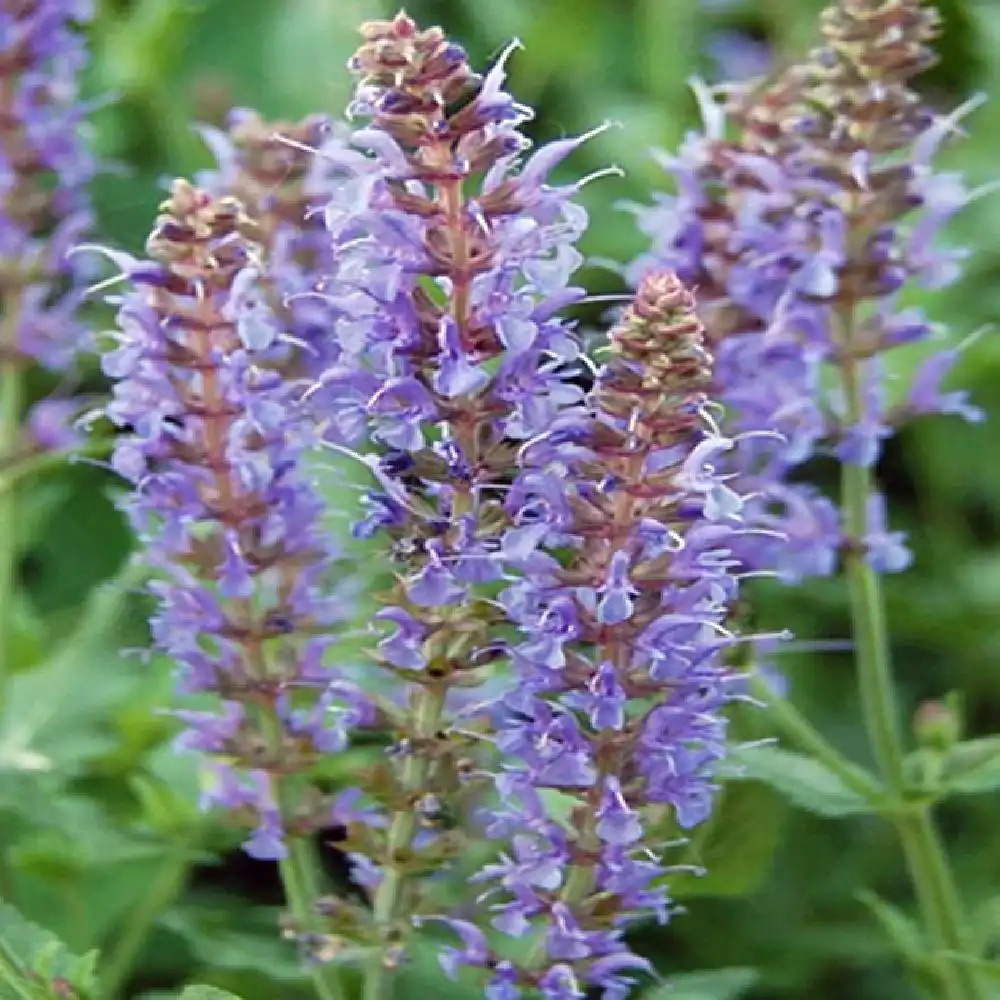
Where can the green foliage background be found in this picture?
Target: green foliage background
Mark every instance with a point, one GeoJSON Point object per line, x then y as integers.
{"type": "Point", "coordinates": [101, 842]}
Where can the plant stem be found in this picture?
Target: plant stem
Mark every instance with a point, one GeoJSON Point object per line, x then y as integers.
{"type": "Point", "coordinates": [300, 870]}
{"type": "Point", "coordinates": [430, 704]}
{"type": "Point", "coordinates": [929, 870]}
{"type": "Point", "coordinates": [300, 878]}
{"type": "Point", "coordinates": [11, 397]}
{"type": "Point", "coordinates": [167, 884]}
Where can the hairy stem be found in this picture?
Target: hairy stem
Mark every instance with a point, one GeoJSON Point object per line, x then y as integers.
{"type": "Point", "coordinates": [928, 866]}
{"type": "Point", "coordinates": [430, 704]}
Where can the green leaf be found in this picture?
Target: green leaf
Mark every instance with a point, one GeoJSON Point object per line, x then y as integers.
{"type": "Point", "coordinates": [207, 993]}
{"type": "Point", "coordinates": [223, 934]}
{"type": "Point", "coordinates": [168, 790]}
{"type": "Point", "coordinates": [804, 781]}
{"type": "Point", "coordinates": [973, 766]}
{"type": "Point", "coordinates": [986, 926]}
{"type": "Point", "coordinates": [988, 967]}
{"type": "Point", "coordinates": [908, 941]}
{"type": "Point", "coordinates": [57, 715]}
{"type": "Point", "coordinates": [716, 984]}
{"type": "Point", "coordinates": [48, 968]}
{"type": "Point", "coordinates": [735, 846]}
{"type": "Point", "coordinates": [906, 935]}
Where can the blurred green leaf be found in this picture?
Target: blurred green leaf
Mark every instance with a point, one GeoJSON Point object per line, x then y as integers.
{"type": "Point", "coordinates": [422, 976]}
{"type": "Point", "coordinates": [908, 941]}
{"type": "Point", "coordinates": [715, 984]}
{"type": "Point", "coordinates": [48, 970]}
{"type": "Point", "coordinates": [735, 845]}
{"type": "Point", "coordinates": [207, 993]}
{"type": "Point", "coordinates": [168, 788]}
{"type": "Point", "coordinates": [56, 715]}
{"type": "Point", "coordinates": [903, 931]}
{"type": "Point", "coordinates": [74, 833]}
{"type": "Point", "coordinates": [223, 934]}
{"type": "Point", "coordinates": [989, 968]}
{"type": "Point", "coordinates": [973, 766]}
{"type": "Point", "coordinates": [805, 782]}
{"type": "Point", "coordinates": [140, 50]}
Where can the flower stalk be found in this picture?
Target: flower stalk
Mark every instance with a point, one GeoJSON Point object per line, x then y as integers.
{"type": "Point", "coordinates": [10, 443]}
{"type": "Point", "coordinates": [937, 894]}
{"type": "Point", "coordinates": [44, 170]}
{"type": "Point", "coordinates": [804, 210]}
{"type": "Point", "coordinates": [452, 262]}
{"type": "Point", "coordinates": [228, 516]}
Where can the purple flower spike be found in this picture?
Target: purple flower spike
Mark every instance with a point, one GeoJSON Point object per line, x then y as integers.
{"type": "Point", "coordinates": [792, 284]}
{"type": "Point", "coordinates": [215, 442]}
{"type": "Point", "coordinates": [620, 672]}
{"type": "Point", "coordinates": [45, 168]}
{"type": "Point", "coordinates": [451, 259]}
{"type": "Point", "coordinates": [280, 172]}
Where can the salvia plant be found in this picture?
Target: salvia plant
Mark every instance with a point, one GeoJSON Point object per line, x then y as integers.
{"type": "Point", "coordinates": [513, 729]}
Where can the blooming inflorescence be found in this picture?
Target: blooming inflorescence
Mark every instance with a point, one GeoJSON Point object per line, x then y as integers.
{"type": "Point", "coordinates": [273, 170]}
{"type": "Point", "coordinates": [229, 520]}
{"type": "Point", "coordinates": [451, 263]}
{"type": "Point", "coordinates": [553, 644]}
{"type": "Point", "coordinates": [44, 171]}
{"type": "Point", "coordinates": [621, 540]}
{"type": "Point", "coordinates": [799, 228]}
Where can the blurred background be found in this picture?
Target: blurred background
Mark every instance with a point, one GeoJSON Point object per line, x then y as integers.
{"type": "Point", "coordinates": [101, 842]}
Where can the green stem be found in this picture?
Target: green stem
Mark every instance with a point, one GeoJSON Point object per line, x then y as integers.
{"type": "Point", "coordinates": [300, 870]}
{"type": "Point", "coordinates": [430, 705]}
{"type": "Point", "coordinates": [797, 728]}
{"type": "Point", "coordinates": [11, 397]}
{"type": "Point", "coordinates": [165, 887]}
{"type": "Point", "coordinates": [937, 895]}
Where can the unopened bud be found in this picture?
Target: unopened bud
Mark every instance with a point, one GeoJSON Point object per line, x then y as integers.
{"type": "Point", "coordinates": [937, 725]}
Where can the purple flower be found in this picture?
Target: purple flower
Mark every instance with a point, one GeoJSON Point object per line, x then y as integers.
{"type": "Point", "coordinates": [560, 983]}
{"type": "Point", "coordinates": [925, 395]}
{"type": "Point", "coordinates": [617, 823]}
{"type": "Point", "coordinates": [503, 983]}
{"type": "Point", "coordinates": [450, 261]}
{"type": "Point", "coordinates": [620, 678]}
{"type": "Point", "coordinates": [473, 952]}
{"type": "Point", "coordinates": [44, 171]}
{"type": "Point", "coordinates": [792, 286]}
{"type": "Point", "coordinates": [886, 550]}
{"type": "Point", "coordinates": [616, 604]}
{"type": "Point", "coordinates": [214, 445]}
